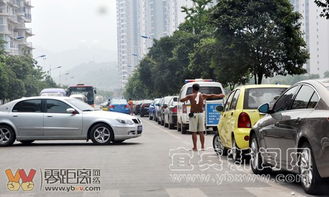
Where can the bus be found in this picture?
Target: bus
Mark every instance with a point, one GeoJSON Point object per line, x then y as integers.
{"type": "Point", "coordinates": [86, 90]}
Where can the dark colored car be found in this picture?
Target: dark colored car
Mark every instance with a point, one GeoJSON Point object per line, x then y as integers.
{"type": "Point", "coordinates": [295, 128]}
{"type": "Point", "coordinates": [152, 109]}
{"type": "Point", "coordinates": [144, 107]}
{"type": "Point", "coordinates": [170, 113]}
{"type": "Point", "coordinates": [137, 107]}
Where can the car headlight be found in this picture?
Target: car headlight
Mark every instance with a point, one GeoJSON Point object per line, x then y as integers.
{"type": "Point", "coordinates": [130, 122]}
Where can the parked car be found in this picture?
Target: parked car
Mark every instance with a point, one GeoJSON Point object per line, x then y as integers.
{"type": "Point", "coordinates": [119, 105]}
{"type": "Point", "coordinates": [163, 105]}
{"type": "Point", "coordinates": [104, 106]}
{"type": "Point", "coordinates": [63, 118]}
{"type": "Point", "coordinates": [183, 108]}
{"type": "Point", "coordinates": [152, 109]}
{"type": "Point", "coordinates": [239, 114]}
{"type": "Point", "coordinates": [170, 113]}
{"type": "Point", "coordinates": [80, 97]}
{"type": "Point", "coordinates": [157, 108]}
{"type": "Point", "coordinates": [137, 105]}
{"type": "Point", "coordinates": [297, 121]}
{"type": "Point", "coordinates": [53, 92]}
{"type": "Point", "coordinates": [144, 108]}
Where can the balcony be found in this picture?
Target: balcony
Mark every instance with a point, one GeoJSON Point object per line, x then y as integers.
{"type": "Point", "coordinates": [28, 32]}
{"type": "Point", "coordinates": [4, 29]}
{"type": "Point", "coordinates": [28, 3]}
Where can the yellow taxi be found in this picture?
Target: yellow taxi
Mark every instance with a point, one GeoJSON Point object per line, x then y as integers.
{"type": "Point", "coordinates": [239, 114]}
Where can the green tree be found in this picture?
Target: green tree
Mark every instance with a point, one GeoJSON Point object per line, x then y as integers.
{"type": "Point", "coordinates": [201, 59]}
{"type": "Point", "coordinates": [324, 4]}
{"type": "Point", "coordinates": [258, 39]}
{"type": "Point", "coordinates": [197, 18]}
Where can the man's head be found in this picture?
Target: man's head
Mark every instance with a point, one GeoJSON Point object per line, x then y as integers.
{"type": "Point", "coordinates": [196, 87]}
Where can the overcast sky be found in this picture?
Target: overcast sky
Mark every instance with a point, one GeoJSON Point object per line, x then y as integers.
{"type": "Point", "coordinates": [73, 25]}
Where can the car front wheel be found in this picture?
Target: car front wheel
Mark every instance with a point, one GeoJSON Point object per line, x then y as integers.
{"type": "Point", "coordinates": [7, 135]}
{"type": "Point", "coordinates": [101, 134]}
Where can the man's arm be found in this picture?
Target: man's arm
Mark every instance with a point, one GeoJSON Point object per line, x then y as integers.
{"type": "Point", "coordinates": [185, 99]}
{"type": "Point", "coordinates": [207, 96]}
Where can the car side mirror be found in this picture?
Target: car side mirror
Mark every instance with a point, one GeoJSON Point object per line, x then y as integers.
{"type": "Point", "coordinates": [71, 111]}
{"type": "Point", "coordinates": [265, 108]}
{"type": "Point", "coordinates": [220, 108]}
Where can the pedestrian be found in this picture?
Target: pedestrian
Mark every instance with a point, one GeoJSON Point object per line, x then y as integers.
{"type": "Point", "coordinates": [196, 117]}
{"type": "Point", "coordinates": [131, 106]}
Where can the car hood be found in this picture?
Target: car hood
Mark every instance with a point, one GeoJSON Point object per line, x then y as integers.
{"type": "Point", "coordinates": [108, 114]}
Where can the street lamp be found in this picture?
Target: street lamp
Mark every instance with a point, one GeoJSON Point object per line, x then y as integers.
{"type": "Point", "coordinates": [41, 56]}
{"type": "Point", "coordinates": [146, 37]}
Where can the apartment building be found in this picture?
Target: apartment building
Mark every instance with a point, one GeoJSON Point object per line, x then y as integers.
{"type": "Point", "coordinates": [316, 35]}
{"type": "Point", "coordinates": [14, 14]}
{"type": "Point", "coordinates": [139, 22]}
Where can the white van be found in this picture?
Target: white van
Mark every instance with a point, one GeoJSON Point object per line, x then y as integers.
{"type": "Point", "coordinates": [183, 108]}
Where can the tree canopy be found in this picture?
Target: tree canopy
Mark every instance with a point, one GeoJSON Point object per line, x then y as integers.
{"type": "Point", "coordinates": [230, 42]}
{"type": "Point", "coordinates": [324, 4]}
{"type": "Point", "coordinates": [21, 76]}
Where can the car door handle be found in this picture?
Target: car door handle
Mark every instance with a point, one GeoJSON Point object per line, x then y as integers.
{"type": "Point", "coordinates": [232, 114]}
{"type": "Point", "coordinates": [15, 116]}
{"type": "Point", "coordinates": [49, 116]}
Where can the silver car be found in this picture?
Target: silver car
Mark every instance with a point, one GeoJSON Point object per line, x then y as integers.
{"type": "Point", "coordinates": [63, 118]}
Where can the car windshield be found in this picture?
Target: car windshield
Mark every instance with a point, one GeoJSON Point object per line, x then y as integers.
{"type": "Point", "coordinates": [119, 102]}
{"type": "Point", "coordinates": [254, 97]}
{"type": "Point", "coordinates": [79, 104]}
{"type": "Point", "coordinates": [206, 90]}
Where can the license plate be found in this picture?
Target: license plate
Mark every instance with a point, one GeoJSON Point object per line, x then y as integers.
{"type": "Point", "coordinates": [140, 128]}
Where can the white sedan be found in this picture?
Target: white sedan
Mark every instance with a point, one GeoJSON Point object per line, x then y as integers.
{"type": "Point", "coordinates": [63, 118]}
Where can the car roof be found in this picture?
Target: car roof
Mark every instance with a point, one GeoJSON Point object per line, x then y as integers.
{"type": "Point", "coordinates": [263, 86]}
{"type": "Point", "coordinates": [203, 83]}
{"type": "Point", "coordinates": [324, 82]}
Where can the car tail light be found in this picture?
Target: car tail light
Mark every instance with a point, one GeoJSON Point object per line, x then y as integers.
{"type": "Point", "coordinates": [127, 106]}
{"type": "Point", "coordinates": [111, 106]}
{"type": "Point", "coordinates": [246, 138]}
{"type": "Point", "coordinates": [184, 109]}
{"type": "Point", "coordinates": [174, 110]}
{"type": "Point", "coordinates": [244, 121]}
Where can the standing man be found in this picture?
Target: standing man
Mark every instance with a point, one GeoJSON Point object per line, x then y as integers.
{"type": "Point", "coordinates": [131, 106]}
{"type": "Point", "coordinates": [196, 123]}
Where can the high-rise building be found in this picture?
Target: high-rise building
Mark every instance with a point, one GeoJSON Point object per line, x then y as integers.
{"type": "Point", "coordinates": [316, 35]}
{"type": "Point", "coordinates": [14, 14]}
{"type": "Point", "coordinates": [141, 21]}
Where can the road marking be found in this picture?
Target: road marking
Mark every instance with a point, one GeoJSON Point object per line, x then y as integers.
{"type": "Point", "coordinates": [183, 192]}
{"type": "Point", "coordinates": [271, 192]}
{"type": "Point", "coordinates": [104, 193]}
{"type": "Point", "coordinates": [168, 132]}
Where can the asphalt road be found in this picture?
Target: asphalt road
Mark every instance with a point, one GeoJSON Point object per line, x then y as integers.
{"type": "Point", "coordinates": [159, 163]}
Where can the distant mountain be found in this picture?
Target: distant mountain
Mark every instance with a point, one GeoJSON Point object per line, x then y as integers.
{"type": "Point", "coordinates": [73, 57]}
{"type": "Point", "coordinates": [104, 76]}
